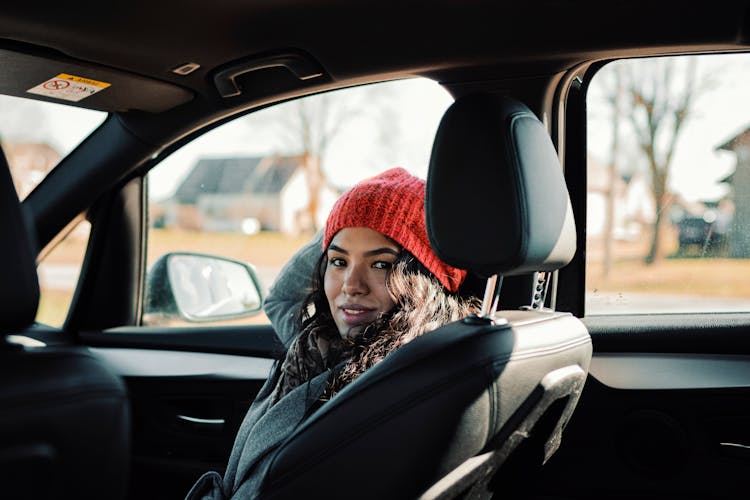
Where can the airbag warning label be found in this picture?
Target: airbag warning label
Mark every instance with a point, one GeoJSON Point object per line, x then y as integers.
{"type": "Point", "coordinates": [69, 87]}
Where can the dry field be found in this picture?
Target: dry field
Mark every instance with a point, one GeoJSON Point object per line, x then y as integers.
{"type": "Point", "coordinates": [690, 275]}
{"type": "Point", "coordinates": [674, 276]}
{"type": "Point", "coordinates": [264, 250]}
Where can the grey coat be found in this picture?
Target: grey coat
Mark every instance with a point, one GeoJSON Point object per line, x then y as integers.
{"type": "Point", "coordinates": [265, 427]}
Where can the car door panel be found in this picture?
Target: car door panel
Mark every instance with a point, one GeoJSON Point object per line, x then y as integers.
{"type": "Point", "coordinates": [189, 390]}
{"type": "Point", "coordinates": [665, 414]}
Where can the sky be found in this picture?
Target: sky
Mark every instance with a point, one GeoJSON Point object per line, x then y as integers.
{"type": "Point", "coordinates": [391, 125]}
{"type": "Point", "coordinates": [721, 110]}
{"type": "Point", "coordinates": [394, 124]}
{"type": "Point", "coordinates": [63, 127]}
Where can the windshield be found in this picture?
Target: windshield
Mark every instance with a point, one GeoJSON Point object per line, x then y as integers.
{"type": "Point", "coordinates": [36, 135]}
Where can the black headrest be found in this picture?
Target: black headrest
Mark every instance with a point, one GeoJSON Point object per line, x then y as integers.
{"type": "Point", "coordinates": [496, 198]}
{"type": "Point", "coordinates": [19, 293]}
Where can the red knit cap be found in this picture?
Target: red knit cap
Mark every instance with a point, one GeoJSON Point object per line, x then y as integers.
{"type": "Point", "coordinates": [392, 203]}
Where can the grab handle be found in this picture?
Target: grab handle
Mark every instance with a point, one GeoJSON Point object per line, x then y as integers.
{"type": "Point", "coordinates": [299, 65]}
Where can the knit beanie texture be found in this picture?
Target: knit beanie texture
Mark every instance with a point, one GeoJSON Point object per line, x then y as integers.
{"type": "Point", "coordinates": [392, 203]}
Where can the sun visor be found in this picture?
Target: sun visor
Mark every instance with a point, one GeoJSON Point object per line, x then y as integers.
{"type": "Point", "coordinates": [86, 86]}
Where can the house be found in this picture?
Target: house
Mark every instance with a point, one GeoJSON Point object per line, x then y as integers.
{"type": "Point", "coordinates": [248, 194]}
{"type": "Point", "coordinates": [739, 193]}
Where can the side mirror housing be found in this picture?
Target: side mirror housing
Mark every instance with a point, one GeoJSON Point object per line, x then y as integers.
{"type": "Point", "coordinates": [199, 288]}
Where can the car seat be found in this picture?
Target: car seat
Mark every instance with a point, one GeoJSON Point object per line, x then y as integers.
{"type": "Point", "coordinates": [64, 416]}
{"type": "Point", "coordinates": [447, 415]}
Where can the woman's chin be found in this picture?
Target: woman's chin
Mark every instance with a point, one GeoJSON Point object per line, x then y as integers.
{"type": "Point", "coordinates": [353, 331]}
{"type": "Point", "coordinates": [351, 327]}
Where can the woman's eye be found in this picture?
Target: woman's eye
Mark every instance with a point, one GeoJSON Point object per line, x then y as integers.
{"type": "Point", "coordinates": [336, 262]}
{"type": "Point", "coordinates": [382, 265]}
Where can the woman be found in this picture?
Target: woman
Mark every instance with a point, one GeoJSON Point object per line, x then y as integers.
{"type": "Point", "coordinates": [376, 286]}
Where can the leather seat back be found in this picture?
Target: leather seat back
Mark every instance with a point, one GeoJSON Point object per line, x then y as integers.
{"type": "Point", "coordinates": [64, 416]}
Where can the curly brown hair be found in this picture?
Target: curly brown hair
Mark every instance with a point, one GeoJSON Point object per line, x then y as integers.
{"type": "Point", "coordinates": [422, 304]}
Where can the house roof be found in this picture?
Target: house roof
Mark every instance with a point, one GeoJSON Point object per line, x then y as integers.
{"type": "Point", "coordinates": [271, 176]}
{"type": "Point", "coordinates": [252, 175]}
{"type": "Point", "coordinates": [742, 138]}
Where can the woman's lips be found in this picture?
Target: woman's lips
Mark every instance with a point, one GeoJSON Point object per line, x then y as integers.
{"type": "Point", "coordinates": [354, 314]}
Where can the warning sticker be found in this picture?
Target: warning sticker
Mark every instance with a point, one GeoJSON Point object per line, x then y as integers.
{"type": "Point", "coordinates": [69, 87]}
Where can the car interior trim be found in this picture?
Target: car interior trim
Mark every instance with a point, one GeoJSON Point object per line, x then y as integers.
{"type": "Point", "coordinates": [670, 371]}
{"type": "Point", "coordinates": [161, 363]}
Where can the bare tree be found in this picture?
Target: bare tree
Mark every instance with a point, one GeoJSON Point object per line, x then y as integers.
{"type": "Point", "coordinates": [661, 93]}
{"type": "Point", "coordinates": [309, 125]}
{"type": "Point", "coordinates": [614, 98]}
{"type": "Point", "coordinates": [314, 123]}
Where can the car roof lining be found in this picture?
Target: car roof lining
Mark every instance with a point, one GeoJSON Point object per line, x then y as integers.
{"type": "Point", "coordinates": [131, 93]}
{"type": "Point", "coordinates": [136, 49]}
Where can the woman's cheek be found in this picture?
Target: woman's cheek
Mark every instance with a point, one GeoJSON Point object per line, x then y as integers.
{"type": "Point", "coordinates": [331, 285]}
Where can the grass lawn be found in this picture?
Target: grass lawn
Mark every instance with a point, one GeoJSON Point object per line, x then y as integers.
{"type": "Point", "coordinates": [265, 249]}
{"type": "Point", "coordinates": [674, 276]}
{"type": "Point", "coordinates": [713, 277]}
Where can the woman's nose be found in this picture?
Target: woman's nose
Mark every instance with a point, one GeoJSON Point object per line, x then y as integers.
{"type": "Point", "coordinates": [354, 282]}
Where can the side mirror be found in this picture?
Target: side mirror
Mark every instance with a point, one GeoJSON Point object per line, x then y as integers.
{"type": "Point", "coordinates": [198, 288]}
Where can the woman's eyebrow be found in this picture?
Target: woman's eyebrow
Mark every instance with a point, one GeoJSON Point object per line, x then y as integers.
{"type": "Point", "coordinates": [337, 249]}
{"type": "Point", "coordinates": [378, 251]}
{"type": "Point", "coordinates": [370, 253]}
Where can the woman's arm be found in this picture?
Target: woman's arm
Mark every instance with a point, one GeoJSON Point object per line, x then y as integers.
{"type": "Point", "coordinates": [282, 306]}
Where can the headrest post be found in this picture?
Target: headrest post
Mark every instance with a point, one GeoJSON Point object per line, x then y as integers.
{"type": "Point", "coordinates": [539, 293]}
{"type": "Point", "coordinates": [491, 296]}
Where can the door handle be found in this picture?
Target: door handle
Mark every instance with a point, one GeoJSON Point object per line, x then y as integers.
{"type": "Point", "coordinates": [205, 424]}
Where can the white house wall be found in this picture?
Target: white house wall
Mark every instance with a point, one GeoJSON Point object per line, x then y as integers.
{"type": "Point", "coordinates": [633, 207]}
{"type": "Point", "coordinates": [294, 197]}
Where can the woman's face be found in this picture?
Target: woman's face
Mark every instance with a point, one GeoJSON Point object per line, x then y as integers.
{"type": "Point", "coordinates": [358, 262]}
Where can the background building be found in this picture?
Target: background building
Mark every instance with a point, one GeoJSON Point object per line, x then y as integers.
{"type": "Point", "coordinates": [739, 194]}
{"type": "Point", "coordinates": [247, 194]}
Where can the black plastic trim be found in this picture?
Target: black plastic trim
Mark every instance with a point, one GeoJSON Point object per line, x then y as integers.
{"type": "Point", "coordinates": [251, 340]}
{"type": "Point", "coordinates": [727, 333]}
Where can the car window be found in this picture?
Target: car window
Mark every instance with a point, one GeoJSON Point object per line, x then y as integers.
{"type": "Point", "coordinates": [256, 189]}
{"type": "Point", "coordinates": [669, 186]}
{"type": "Point", "coordinates": [36, 135]}
{"type": "Point", "coordinates": [59, 271]}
